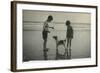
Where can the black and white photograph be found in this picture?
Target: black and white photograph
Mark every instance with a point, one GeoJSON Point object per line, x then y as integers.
{"type": "Point", "coordinates": [52, 36]}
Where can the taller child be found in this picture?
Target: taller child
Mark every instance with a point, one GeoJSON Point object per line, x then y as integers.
{"type": "Point", "coordinates": [46, 31]}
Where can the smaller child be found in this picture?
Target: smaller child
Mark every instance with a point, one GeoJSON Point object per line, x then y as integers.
{"type": "Point", "coordinates": [69, 36]}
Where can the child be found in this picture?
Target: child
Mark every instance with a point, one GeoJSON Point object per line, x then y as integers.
{"type": "Point", "coordinates": [46, 31]}
{"type": "Point", "coordinates": [69, 36]}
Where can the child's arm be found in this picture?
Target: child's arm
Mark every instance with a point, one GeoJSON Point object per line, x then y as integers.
{"type": "Point", "coordinates": [51, 27]}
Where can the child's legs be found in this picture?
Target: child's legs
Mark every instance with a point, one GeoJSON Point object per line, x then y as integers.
{"type": "Point", "coordinates": [70, 47]}
{"type": "Point", "coordinates": [67, 42]}
{"type": "Point", "coordinates": [66, 49]}
{"type": "Point", "coordinates": [45, 35]}
{"type": "Point", "coordinates": [70, 40]}
{"type": "Point", "coordinates": [45, 43]}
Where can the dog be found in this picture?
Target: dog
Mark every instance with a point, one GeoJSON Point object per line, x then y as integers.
{"type": "Point", "coordinates": [59, 43]}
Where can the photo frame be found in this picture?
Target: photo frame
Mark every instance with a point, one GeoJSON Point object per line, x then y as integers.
{"type": "Point", "coordinates": [36, 47]}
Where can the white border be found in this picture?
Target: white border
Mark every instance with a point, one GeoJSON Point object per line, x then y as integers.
{"type": "Point", "coordinates": [60, 63]}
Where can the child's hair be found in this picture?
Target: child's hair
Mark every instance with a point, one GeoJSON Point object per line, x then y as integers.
{"type": "Point", "coordinates": [50, 17]}
{"type": "Point", "coordinates": [67, 22]}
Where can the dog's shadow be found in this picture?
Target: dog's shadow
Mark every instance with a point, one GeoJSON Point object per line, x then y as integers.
{"type": "Point", "coordinates": [60, 56]}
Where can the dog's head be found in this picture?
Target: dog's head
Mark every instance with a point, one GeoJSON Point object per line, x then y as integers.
{"type": "Point", "coordinates": [55, 37]}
